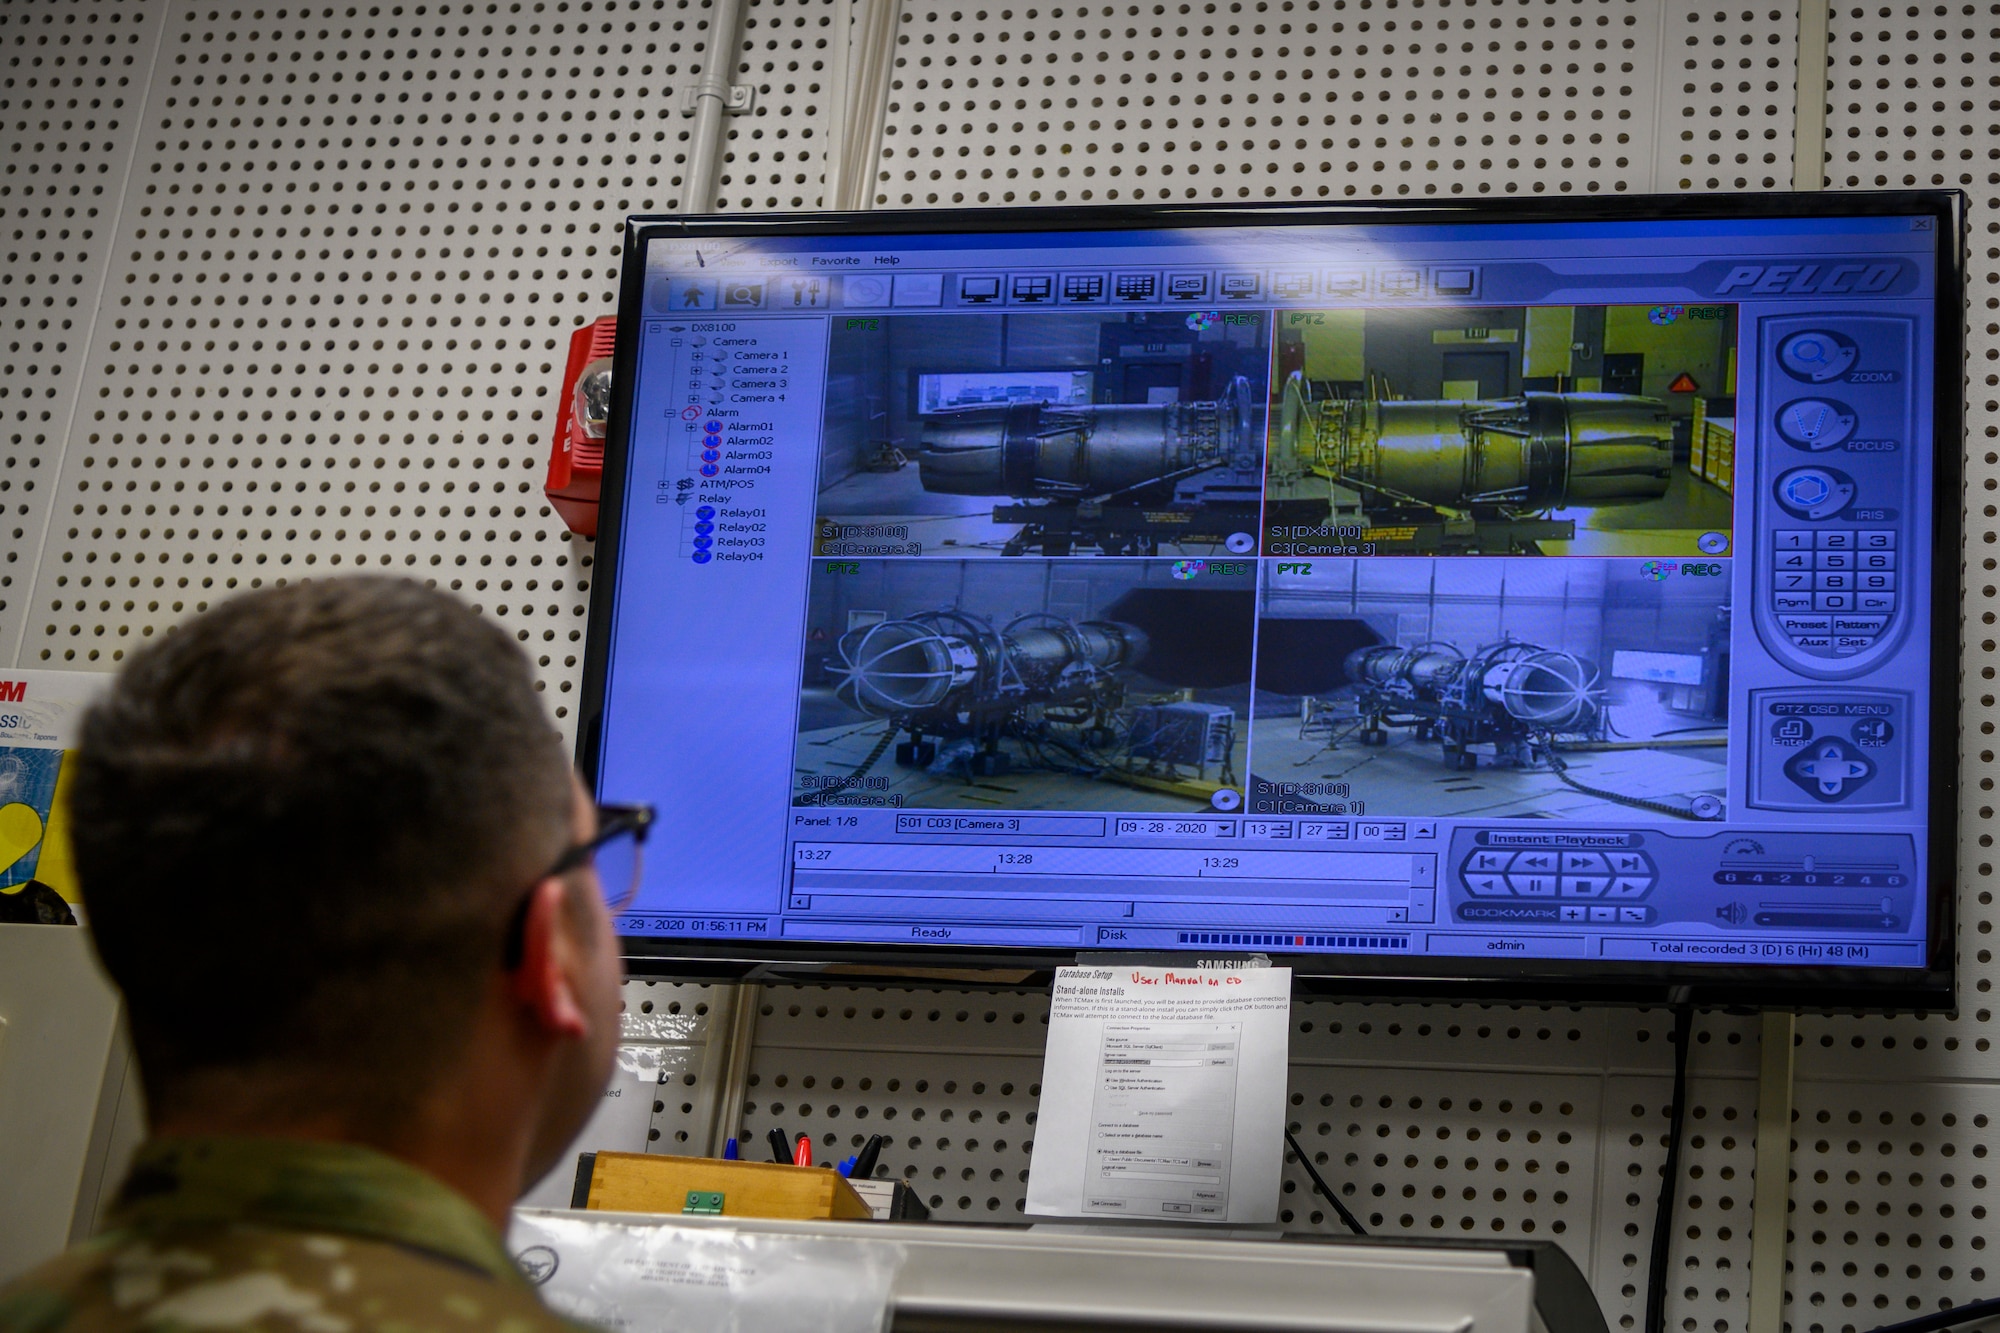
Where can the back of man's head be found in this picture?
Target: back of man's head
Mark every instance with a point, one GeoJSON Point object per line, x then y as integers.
{"type": "Point", "coordinates": [302, 822]}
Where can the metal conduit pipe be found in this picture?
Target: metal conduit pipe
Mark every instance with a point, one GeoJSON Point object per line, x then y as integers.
{"type": "Point", "coordinates": [711, 107]}
{"type": "Point", "coordinates": [851, 175]}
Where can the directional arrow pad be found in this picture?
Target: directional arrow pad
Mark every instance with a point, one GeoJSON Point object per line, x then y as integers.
{"type": "Point", "coordinates": [1831, 769]}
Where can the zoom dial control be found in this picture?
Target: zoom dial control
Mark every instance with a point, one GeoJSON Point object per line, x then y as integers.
{"type": "Point", "coordinates": [1817, 356]}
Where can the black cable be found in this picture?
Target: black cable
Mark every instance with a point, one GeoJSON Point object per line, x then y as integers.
{"type": "Point", "coordinates": [1320, 1185]}
{"type": "Point", "coordinates": [1561, 770]}
{"type": "Point", "coordinates": [1663, 1215]}
{"type": "Point", "coordinates": [1959, 1314]}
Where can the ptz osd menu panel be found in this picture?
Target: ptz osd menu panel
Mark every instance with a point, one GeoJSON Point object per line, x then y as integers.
{"type": "Point", "coordinates": [1427, 592]}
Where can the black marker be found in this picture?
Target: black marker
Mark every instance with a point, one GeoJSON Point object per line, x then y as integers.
{"type": "Point", "coordinates": [864, 1161]}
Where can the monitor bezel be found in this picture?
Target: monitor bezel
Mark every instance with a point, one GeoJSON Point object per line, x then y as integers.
{"type": "Point", "coordinates": [1930, 988]}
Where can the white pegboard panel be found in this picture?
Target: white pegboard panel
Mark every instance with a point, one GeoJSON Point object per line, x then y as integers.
{"type": "Point", "coordinates": [673, 1015]}
{"type": "Point", "coordinates": [1461, 1120]}
{"type": "Point", "coordinates": [1727, 99]}
{"type": "Point", "coordinates": [951, 1077]}
{"type": "Point", "coordinates": [72, 79]}
{"type": "Point", "coordinates": [1334, 99]}
{"type": "Point", "coordinates": [1423, 1152]}
{"type": "Point", "coordinates": [1503, 1037]}
{"type": "Point", "coordinates": [960, 1125]}
{"type": "Point", "coordinates": [1536, 1122]}
{"type": "Point", "coordinates": [1893, 1119]}
{"type": "Point", "coordinates": [1708, 1260]}
{"type": "Point", "coordinates": [1891, 1200]}
{"type": "Point", "coordinates": [354, 245]}
{"type": "Point", "coordinates": [773, 158]}
{"type": "Point", "coordinates": [1572, 1158]}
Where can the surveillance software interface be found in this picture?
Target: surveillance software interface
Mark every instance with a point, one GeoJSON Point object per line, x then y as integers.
{"type": "Point", "coordinates": [1540, 590]}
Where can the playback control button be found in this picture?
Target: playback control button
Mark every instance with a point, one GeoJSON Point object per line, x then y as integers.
{"type": "Point", "coordinates": [1565, 876]}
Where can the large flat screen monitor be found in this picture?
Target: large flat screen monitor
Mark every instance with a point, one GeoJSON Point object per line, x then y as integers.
{"type": "Point", "coordinates": [1527, 600]}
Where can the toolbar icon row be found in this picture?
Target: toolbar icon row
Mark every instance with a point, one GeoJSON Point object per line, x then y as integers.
{"type": "Point", "coordinates": [1170, 286]}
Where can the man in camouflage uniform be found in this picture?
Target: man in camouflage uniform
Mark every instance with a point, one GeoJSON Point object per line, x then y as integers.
{"type": "Point", "coordinates": [333, 855]}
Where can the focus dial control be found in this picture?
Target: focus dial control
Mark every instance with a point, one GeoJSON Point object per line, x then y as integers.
{"type": "Point", "coordinates": [1816, 423]}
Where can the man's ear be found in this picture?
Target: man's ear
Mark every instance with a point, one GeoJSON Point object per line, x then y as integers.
{"type": "Point", "coordinates": [552, 952]}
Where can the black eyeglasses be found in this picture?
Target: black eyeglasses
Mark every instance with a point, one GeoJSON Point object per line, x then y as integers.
{"type": "Point", "coordinates": [617, 851]}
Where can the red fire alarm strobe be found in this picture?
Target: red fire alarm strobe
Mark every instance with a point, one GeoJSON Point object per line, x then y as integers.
{"type": "Point", "coordinates": [576, 456]}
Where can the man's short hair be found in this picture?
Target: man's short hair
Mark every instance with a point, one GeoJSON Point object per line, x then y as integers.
{"type": "Point", "coordinates": [302, 821]}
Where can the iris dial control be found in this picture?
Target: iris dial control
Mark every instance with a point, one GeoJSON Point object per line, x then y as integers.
{"type": "Point", "coordinates": [1815, 492]}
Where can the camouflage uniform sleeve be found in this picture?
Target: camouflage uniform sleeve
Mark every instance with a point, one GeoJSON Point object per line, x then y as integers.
{"type": "Point", "coordinates": [242, 1279]}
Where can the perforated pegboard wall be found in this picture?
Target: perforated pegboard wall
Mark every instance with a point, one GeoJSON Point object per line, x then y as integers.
{"type": "Point", "coordinates": [72, 79]}
{"type": "Point", "coordinates": [1895, 1117]}
{"type": "Point", "coordinates": [353, 246]}
{"type": "Point", "coordinates": [1331, 99]}
{"type": "Point", "coordinates": [340, 245]}
{"type": "Point", "coordinates": [1454, 1120]}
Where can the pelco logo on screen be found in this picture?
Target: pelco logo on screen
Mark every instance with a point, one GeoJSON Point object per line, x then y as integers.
{"type": "Point", "coordinates": [1813, 279]}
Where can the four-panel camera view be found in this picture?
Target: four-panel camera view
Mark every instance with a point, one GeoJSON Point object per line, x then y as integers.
{"type": "Point", "coordinates": [1152, 563]}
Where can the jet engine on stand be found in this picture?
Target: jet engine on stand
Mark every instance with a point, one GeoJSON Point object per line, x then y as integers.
{"type": "Point", "coordinates": [1048, 684]}
{"type": "Point", "coordinates": [1515, 696]}
{"type": "Point", "coordinates": [1466, 476]}
{"type": "Point", "coordinates": [1119, 477]}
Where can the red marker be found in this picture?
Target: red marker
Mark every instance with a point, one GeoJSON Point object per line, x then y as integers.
{"type": "Point", "coordinates": [802, 1152]}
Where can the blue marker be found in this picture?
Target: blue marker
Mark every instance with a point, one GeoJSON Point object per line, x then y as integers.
{"type": "Point", "coordinates": [729, 1149]}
